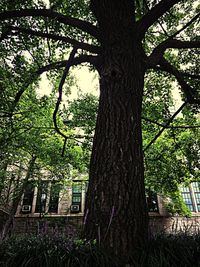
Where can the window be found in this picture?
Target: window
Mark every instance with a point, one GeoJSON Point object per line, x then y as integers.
{"type": "Point", "coordinates": [54, 197]}
{"type": "Point", "coordinates": [191, 196]}
{"type": "Point", "coordinates": [76, 188]}
{"type": "Point", "coordinates": [152, 202]}
{"type": "Point", "coordinates": [197, 194]}
{"type": "Point", "coordinates": [42, 197]}
{"type": "Point", "coordinates": [76, 196]}
{"type": "Point", "coordinates": [187, 197]}
{"type": "Point", "coordinates": [76, 199]}
{"type": "Point", "coordinates": [28, 198]}
{"type": "Point", "coordinates": [46, 199]}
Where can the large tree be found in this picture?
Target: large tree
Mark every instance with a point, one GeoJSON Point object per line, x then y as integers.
{"type": "Point", "coordinates": [122, 40]}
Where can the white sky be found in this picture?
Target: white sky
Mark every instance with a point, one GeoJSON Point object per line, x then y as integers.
{"type": "Point", "coordinates": [87, 82]}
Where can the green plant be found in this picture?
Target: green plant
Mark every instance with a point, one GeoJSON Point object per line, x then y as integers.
{"type": "Point", "coordinates": [177, 205]}
{"type": "Point", "coordinates": [59, 250]}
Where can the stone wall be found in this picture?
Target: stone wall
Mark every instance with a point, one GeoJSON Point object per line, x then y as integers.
{"type": "Point", "coordinates": [53, 224]}
{"type": "Point", "coordinates": [174, 225]}
{"type": "Point", "coordinates": [157, 224]}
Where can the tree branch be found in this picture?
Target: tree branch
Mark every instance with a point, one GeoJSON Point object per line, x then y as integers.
{"type": "Point", "coordinates": [165, 126]}
{"type": "Point", "coordinates": [60, 87]}
{"type": "Point", "coordinates": [159, 51]}
{"type": "Point", "coordinates": [184, 74]}
{"type": "Point", "coordinates": [74, 62]}
{"type": "Point", "coordinates": [171, 127]}
{"type": "Point", "coordinates": [80, 24]}
{"type": "Point", "coordinates": [48, 43]}
{"type": "Point", "coordinates": [186, 25]}
{"type": "Point", "coordinates": [190, 75]}
{"type": "Point", "coordinates": [84, 46]}
{"type": "Point", "coordinates": [187, 89]}
{"type": "Point", "coordinates": [153, 15]}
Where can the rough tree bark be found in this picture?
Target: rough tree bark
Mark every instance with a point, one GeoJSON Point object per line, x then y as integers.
{"type": "Point", "coordinates": [116, 214]}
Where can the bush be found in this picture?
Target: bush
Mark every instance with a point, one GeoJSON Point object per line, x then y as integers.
{"type": "Point", "coordinates": [51, 251]}
{"type": "Point", "coordinates": [59, 250]}
{"type": "Point", "coordinates": [173, 251]}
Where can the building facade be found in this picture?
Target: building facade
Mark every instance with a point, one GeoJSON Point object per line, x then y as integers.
{"type": "Point", "coordinates": [51, 200]}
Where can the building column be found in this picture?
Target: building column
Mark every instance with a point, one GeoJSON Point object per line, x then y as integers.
{"type": "Point", "coordinates": [48, 197]}
{"type": "Point", "coordinates": [193, 198]}
{"type": "Point", "coordinates": [19, 207]}
{"type": "Point", "coordinates": [83, 195]}
{"type": "Point", "coordinates": [34, 199]}
{"type": "Point", "coordinates": [161, 205]}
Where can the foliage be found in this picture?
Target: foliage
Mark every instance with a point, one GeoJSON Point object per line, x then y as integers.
{"type": "Point", "coordinates": [52, 250]}
{"type": "Point", "coordinates": [82, 112]}
{"type": "Point", "coordinates": [176, 205]}
{"type": "Point", "coordinates": [59, 250]}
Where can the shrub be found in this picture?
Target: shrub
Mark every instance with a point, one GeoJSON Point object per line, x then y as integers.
{"type": "Point", "coordinates": [59, 250]}
{"type": "Point", "coordinates": [51, 251]}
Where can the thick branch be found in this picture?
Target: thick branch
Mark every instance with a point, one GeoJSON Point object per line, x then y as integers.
{"type": "Point", "coordinates": [187, 89]}
{"type": "Point", "coordinates": [81, 45]}
{"type": "Point", "coordinates": [48, 13]}
{"type": "Point", "coordinates": [159, 51]}
{"type": "Point", "coordinates": [153, 15]}
{"type": "Point", "coordinates": [165, 126]}
{"type": "Point", "coordinates": [74, 62]}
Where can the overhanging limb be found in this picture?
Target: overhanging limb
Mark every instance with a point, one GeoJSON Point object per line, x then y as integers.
{"type": "Point", "coordinates": [165, 126]}
{"type": "Point", "coordinates": [153, 15]}
{"type": "Point", "coordinates": [48, 13]}
{"type": "Point", "coordinates": [17, 30]}
{"type": "Point", "coordinates": [60, 87]}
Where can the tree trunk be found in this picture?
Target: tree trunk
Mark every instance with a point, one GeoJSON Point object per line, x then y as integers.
{"type": "Point", "coordinates": [3, 168]}
{"type": "Point", "coordinates": [7, 227]}
{"type": "Point", "coordinates": [116, 214]}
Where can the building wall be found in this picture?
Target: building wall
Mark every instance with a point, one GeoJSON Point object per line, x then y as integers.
{"type": "Point", "coordinates": [64, 203]}
{"type": "Point", "coordinates": [63, 224]}
{"type": "Point", "coordinates": [64, 219]}
{"type": "Point", "coordinates": [174, 225]}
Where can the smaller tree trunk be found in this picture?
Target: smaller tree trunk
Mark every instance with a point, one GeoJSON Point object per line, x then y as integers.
{"type": "Point", "coordinates": [6, 229]}
{"type": "Point", "coordinates": [3, 175]}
